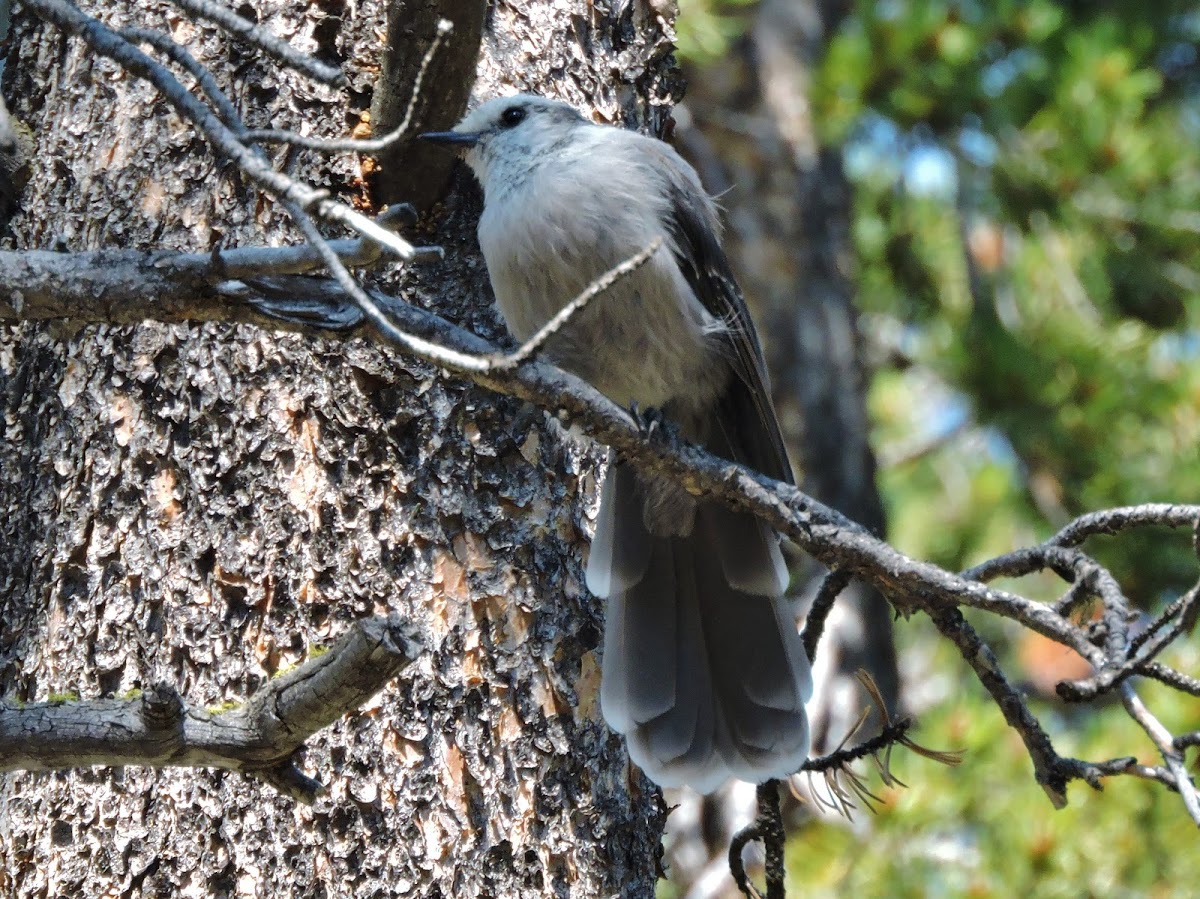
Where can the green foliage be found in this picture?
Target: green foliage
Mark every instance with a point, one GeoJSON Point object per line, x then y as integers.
{"type": "Point", "coordinates": [1026, 227]}
{"type": "Point", "coordinates": [706, 28]}
{"type": "Point", "coordinates": [1026, 193]}
{"type": "Point", "coordinates": [984, 829]}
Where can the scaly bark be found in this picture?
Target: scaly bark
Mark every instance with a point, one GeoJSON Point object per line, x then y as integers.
{"type": "Point", "coordinates": [199, 504]}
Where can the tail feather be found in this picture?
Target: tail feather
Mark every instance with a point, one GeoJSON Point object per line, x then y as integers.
{"type": "Point", "coordinates": [642, 624]}
{"type": "Point", "coordinates": [681, 727]}
{"type": "Point", "coordinates": [621, 546]}
{"type": "Point", "coordinates": [749, 551]}
{"type": "Point", "coordinates": [706, 679]}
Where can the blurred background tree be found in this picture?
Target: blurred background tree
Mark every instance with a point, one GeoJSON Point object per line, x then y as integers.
{"type": "Point", "coordinates": [1023, 240]}
{"type": "Point", "coordinates": [1026, 223]}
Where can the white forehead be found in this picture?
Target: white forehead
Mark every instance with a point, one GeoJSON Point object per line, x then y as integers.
{"type": "Point", "coordinates": [487, 115]}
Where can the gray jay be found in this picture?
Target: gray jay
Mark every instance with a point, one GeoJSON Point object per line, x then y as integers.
{"type": "Point", "coordinates": [704, 672]}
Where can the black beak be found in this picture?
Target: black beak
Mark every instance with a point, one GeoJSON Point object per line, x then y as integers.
{"type": "Point", "coordinates": [462, 138]}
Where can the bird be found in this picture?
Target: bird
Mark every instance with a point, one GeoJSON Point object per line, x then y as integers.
{"type": "Point", "coordinates": [703, 672]}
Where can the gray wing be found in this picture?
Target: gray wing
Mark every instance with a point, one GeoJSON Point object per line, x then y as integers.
{"type": "Point", "coordinates": [747, 411]}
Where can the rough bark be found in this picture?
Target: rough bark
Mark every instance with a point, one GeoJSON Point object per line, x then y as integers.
{"type": "Point", "coordinates": [201, 504]}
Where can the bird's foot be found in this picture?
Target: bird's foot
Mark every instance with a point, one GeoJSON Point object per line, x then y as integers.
{"type": "Point", "coordinates": [652, 422]}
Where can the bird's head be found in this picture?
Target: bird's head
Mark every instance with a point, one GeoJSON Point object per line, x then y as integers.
{"type": "Point", "coordinates": [508, 136]}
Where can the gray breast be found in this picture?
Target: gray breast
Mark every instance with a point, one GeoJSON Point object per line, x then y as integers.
{"type": "Point", "coordinates": [646, 339]}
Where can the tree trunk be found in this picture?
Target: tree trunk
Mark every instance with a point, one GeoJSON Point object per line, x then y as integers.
{"type": "Point", "coordinates": [207, 504]}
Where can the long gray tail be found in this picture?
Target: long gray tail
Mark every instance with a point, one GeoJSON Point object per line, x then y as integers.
{"type": "Point", "coordinates": [704, 672]}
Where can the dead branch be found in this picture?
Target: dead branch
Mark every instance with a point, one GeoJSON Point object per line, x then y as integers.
{"type": "Point", "coordinates": [767, 828]}
{"type": "Point", "coordinates": [261, 738]}
{"type": "Point", "coordinates": [247, 31]}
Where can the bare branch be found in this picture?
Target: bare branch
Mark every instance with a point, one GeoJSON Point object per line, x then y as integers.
{"type": "Point", "coordinates": [1046, 762]}
{"type": "Point", "coordinates": [1170, 677]}
{"type": "Point", "coordinates": [1114, 521]}
{"type": "Point", "coordinates": [767, 828]}
{"type": "Point", "coordinates": [1142, 650]}
{"type": "Point", "coordinates": [1184, 607]}
{"type": "Point", "coordinates": [1172, 756]}
{"type": "Point", "coordinates": [352, 145]}
{"type": "Point", "coordinates": [827, 536]}
{"type": "Point", "coordinates": [130, 285]}
{"type": "Point", "coordinates": [261, 738]}
{"type": "Point", "coordinates": [225, 140]}
{"type": "Point", "coordinates": [814, 622]}
{"type": "Point", "coordinates": [253, 34]}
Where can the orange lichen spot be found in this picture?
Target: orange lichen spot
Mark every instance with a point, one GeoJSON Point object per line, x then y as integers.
{"type": "Point", "coordinates": [548, 699]}
{"type": "Point", "coordinates": [509, 622]}
{"type": "Point", "coordinates": [162, 494]}
{"type": "Point", "coordinates": [362, 130]}
{"type": "Point", "coordinates": [531, 447]}
{"type": "Point", "coordinates": [455, 782]}
{"type": "Point", "coordinates": [472, 665]}
{"type": "Point", "coordinates": [267, 652]}
{"type": "Point", "coordinates": [307, 484]}
{"type": "Point", "coordinates": [229, 577]}
{"type": "Point", "coordinates": [449, 592]}
{"type": "Point", "coordinates": [308, 591]}
{"type": "Point", "coordinates": [473, 551]}
{"type": "Point", "coordinates": [508, 728]}
{"type": "Point", "coordinates": [124, 416]}
{"type": "Point", "coordinates": [587, 689]}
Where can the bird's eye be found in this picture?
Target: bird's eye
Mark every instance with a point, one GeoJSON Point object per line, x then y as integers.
{"type": "Point", "coordinates": [512, 116]}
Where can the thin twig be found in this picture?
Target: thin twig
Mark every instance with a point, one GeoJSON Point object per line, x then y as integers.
{"type": "Point", "coordinates": [204, 78]}
{"type": "Point", "coordinates": [771, 815]}
{"type": "Point", "coordinates": [228, 143]}
{"type": "Point", "coordinates": [843, 785]}
{"type": "Point", "coordinates": [530, 347]}
{"type": "Point", "coordinates": [1114, 521]}
{"type": "Point", "coordinates": [983, 661]}
{"type": "Point", "coordinates": [1162, 739]}
{"type": "Point", "coordinates": [1169, 676]}
{"type": "Point", "coordinates": [426, 349]}
{"type": "Point", "coordinates": [1185, 607]}
{"type": "Point", "coordinates": [1184, 741]}
{"type": "Point", "coordinates": [433, 352]}
{"type": "Point", "coordinates": [767, 828]}
{"type": "Point", "coordinates": [814, 622]}
{"type": "Point", "coordinates": [353, 145]}
{"type": "Point", "coordinates": [893, 732]}
{"type": "Point", "coordinates": [254, 34]}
